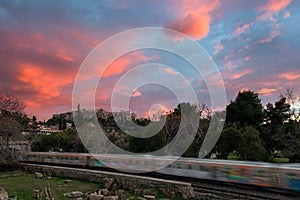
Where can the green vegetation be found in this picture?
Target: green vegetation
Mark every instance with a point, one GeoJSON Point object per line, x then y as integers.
{"type": "Point", "coordinates": [251, 131]}
{"type": "Point", "coordinates": [22, 185]}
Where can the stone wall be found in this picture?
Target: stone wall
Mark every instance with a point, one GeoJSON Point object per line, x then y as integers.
{"type": "Point", "coordinates": [169, 188]}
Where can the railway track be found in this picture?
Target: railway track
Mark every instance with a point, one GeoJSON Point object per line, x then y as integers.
{"type": "Point", "coordinates": [230, 191]}
{"type": "Point", "coordinates": [225, 192]}
{"type": "Point", "coordinates": [217, 189]}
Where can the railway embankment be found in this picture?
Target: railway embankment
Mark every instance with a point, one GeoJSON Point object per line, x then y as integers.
{"type": "Point", "coordinates": [128, 181]}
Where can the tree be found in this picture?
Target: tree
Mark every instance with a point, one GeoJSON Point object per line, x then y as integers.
{"type": "Point", "coordinates": [246, 110]}
{"type": "Point", "coordinates": [9, 128]}
{"type": "Point", "coordinates": [230, 140]}
{"type": "Point", "coordinates": [10, 103]}
{"type": "Point", "coordinates": [252, 148]}
{"type": "Point", "coordinates": [13, 107]}
{"type": "Point", "coordinates": [294, 101]}
{"type": "Point", "coordinates": [173, 119]}
{"type": "Point", "coordinates": [276, 117]}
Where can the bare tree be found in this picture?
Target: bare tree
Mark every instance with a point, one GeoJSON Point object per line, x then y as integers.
{"type": "Point", "coordinates": [294, 100]}
{"type": "Point", "coordinates": [9, 128]}
{"type": "Point", "coordinates": [10, 103]}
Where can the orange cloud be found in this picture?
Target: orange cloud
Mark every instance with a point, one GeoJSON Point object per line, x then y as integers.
{"type": "Point", "coordinates": [65, 57]}
{"type": "Point", "coordinates": [266, 91]}
{"type": "Point", "coordinates": [124, 63]}
{"type": "Point", "coordinates": [46, 84]}
{"type": "Point", "coordinates": [136, 93]}
{"type": "Point", "coordinates": [289, 76]}
{"type": "Point", "coordinates": [193, 17]}
{"type": "Point", "coordinates": [193, 25]}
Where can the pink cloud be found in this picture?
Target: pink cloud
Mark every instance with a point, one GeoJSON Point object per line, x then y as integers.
{"type": "Point", "coordinates": [247, 58]}
{"type": "Point", "coordinates": [276, 5]}
{"type": "Point", "coordinates": [266, 91]}
{"type": "Point", "coordinates": [287, 14]}
{"type": "Point", "coordinates": [170, 71]}
{"type": "Point", "coordinates": [136, 93]}
{"type": "Point", "coordinates": [272, 7]}
{"type": "Point", "coordinates": [274, 34]}
{"type": "Point", "coordinates": [289, 76]}
{"type": "Point", "coordinates": [218, 48]}
{"type": "Point", "coordinates": [242, 29]}
{"type": "Point", "coordinates": [239, 75]}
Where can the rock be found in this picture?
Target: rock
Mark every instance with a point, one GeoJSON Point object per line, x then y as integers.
{"type": "Point", "coordinates": [149, 197]}
{"type": "Point", "coordinates": [111, 198]}
{"type": "Point", "coordinates": [108, 182]}
{"type": "Point", "coordinates": [39, 175]}
{"type": "Point", "coordinates": [79, 198]}
{"type": "Point", "coordinates": [141, 198]}
{"type": "Point", "coordinates": [120, 194]}
{"type": "Point", "coordinates": [37, 194]}
{"type": "Point", "coordinates": [3, 194]}
{"type": "Point", "coordinates": [68, 181]}
{"type": "Point", "coordinates": [104, 192]}
{"type": "Point", "coordinates": [95, 196]}
{"type": "Point", "coordinates": [75, 194]}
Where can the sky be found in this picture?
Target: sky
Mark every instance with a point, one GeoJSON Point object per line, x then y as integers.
{"type": "Point", "coordinates": [254, 44]}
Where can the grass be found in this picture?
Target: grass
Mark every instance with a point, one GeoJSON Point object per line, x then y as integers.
{"type": "Point", "coordinates": [281, 160]}
{"type": "Point", "coordinates": [23, 184]}
{"type": "Point", "coordinates": [232, 156]}
{"type": "Point", "coordinates": [275, 160]}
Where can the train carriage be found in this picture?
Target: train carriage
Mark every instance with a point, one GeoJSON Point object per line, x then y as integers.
{"type": "Point", "coordinates": [283, 176]}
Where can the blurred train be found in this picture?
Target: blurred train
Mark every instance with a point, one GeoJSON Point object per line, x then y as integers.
{"type": "Point", "coordinates": [280, 176]}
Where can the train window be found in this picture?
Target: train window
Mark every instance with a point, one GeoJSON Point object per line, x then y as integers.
{"type": "Point", "coordinates": [71, 158]}
{"type": "Point", "coordinates": [189, 166]}
{"type": "Point", "coordinates": [178, 165]}
{"type": "Point", "coordinates": [202, 168]}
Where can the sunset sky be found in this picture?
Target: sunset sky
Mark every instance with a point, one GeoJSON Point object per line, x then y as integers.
{"type": "Point", "coordinates": [255, 45]}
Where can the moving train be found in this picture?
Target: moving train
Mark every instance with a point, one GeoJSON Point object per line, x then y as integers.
{"type": "Point", "coordinates": [280, 176]}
